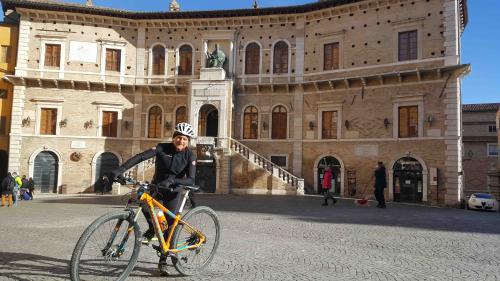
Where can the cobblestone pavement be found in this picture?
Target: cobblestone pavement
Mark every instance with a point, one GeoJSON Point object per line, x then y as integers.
{"type": "Point", "coordinates": [275, 238]}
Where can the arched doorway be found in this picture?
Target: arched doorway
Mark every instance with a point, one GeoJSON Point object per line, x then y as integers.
{"type": "Point", "coordinates": [46, 171]}
{"type": "Point", "coordinates": [334, 164]}
{"type": "Point", "coordinates": [208, 121]}
{"type": "Point", "coordinates": [408, 180]}
{"type": "Point", "coordinates": [4, 159]}
{"type": "Point", "coordinates": [105, 164]}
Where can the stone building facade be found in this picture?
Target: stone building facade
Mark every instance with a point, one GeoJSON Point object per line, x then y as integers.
{"type": "Point", "coordinates": [480, 140]}
{"type": "Point", "coordinates": [337, 83]}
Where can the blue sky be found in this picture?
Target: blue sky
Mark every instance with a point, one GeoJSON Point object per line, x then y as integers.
{"type": "Point", "coordinates": [480, 41]}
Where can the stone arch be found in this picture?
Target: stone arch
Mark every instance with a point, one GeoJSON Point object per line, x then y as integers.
{"type": "Point", "coordinates": [425, 175]}
{"type": "Point", "coordinates": [150, 58]}
{"type": "Point", "coordinates": [60, 162]}
{"type": "Point", "coordinates": [342, 170]}
{"type": "Point", "coordinates": [93, 164]}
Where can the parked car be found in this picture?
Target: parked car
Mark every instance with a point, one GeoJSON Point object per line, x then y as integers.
{"type": "Point", "coordinates": [482, 201]}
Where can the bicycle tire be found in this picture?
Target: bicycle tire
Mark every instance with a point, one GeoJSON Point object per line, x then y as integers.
{"type": "Point", "coordinates": [93, 228]}
{"type": "Point", "coordinates": [182, 262]}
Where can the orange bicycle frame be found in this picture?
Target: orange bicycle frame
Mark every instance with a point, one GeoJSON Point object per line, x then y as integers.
{"type": "Point", "coordinates": [151, 203]}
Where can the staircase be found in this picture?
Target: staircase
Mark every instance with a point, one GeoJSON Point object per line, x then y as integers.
{"type": "Point", "coordinates": [285, 181]}
{"type": "Point", "coordinates": [292, 182]}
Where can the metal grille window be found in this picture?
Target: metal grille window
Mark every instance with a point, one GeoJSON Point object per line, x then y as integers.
{"type": "Point", "coordinates": [155, 122]}
{"type": "Point", "coordinates": [492, 149]}
{"type": "Point", "coordinates": [279, 160]}
{"type": "Point", "coordinates": [280, 59]}
{"type": "Point", "coordinates": [109, 124]}
{"type": "Point", "coordinates": [185, 60]}
{"type": "Point", "coordinates": [407, 45]}
{"type": "Point", "coordinates": [113, 59]}
{"type": "Point", "coordinates": [158, 60]}
{"type": "Point", "coordinates": [48, 121]}
{"type": "Point", "coordinates": [279, 122]}
{"type": "Point", "coordinates": [329, 125]}
{"type": "Point", "coordinates": [53, 55]}
{"type": "Point", "coordinates": [408, 121]}
{"type": "Point", "coordinates": [250, 123]}
{"type": "Point", "coordinates": [252, 59]}
{"type": "Point", "coordinates": [331, 56]}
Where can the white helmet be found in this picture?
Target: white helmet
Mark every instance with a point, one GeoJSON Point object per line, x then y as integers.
{"type": "Point", "coordinates": [184, 129]}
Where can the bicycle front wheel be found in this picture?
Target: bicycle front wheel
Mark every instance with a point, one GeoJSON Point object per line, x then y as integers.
{"type": "Point", "coordinates": [107, 250]}
{"type": "Point", "coordinates": [193, 261]}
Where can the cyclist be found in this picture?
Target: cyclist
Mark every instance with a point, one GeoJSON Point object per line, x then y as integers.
{"type": "Point", "coordinates": [175, 164]}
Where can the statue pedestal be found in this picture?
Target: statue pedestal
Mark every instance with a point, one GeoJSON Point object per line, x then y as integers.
{"type": "Point", "coordinates": [212, 74]}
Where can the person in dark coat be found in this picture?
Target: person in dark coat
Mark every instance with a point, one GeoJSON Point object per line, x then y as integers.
{"type": "Point", "coordinates": [8, 184]}
{"type": "Point", "coordinates": [31, 187]}
{"type": "Point", "coordinates": [380, 184]}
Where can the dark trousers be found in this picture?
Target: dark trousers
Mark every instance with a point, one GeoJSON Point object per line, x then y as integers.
{"type": "Point", "coordinates": [379, 195]}
{"type": "Point", "coordinates": [170, 201]}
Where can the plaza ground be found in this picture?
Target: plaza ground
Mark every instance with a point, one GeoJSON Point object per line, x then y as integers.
{"type": "Point", "coordinates": [274, 238]}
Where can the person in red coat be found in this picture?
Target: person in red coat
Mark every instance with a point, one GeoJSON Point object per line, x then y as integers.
{"type": "Point", "coordinates": [327, 186]}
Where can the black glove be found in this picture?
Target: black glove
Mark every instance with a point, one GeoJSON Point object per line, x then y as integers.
{"type": "Point", "coordinates": [117, 175]}
{"type": "Point", "coordinates": [167, 183]}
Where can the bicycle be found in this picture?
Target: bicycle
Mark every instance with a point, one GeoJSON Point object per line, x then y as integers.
{"type": "Point", "coordinates": [191, 240]}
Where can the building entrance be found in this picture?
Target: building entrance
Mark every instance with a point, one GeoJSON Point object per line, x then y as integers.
{"type": "Point", "coordinates": [407, 180]}
{"type": "Point", "coordinates": [208, 121]}
{"type": "Point", "coordinates": [205, 168]}
{"type": "Point", "coordinates": [334, 164]}
{"type": "Point", "coordinates": [46, 171]}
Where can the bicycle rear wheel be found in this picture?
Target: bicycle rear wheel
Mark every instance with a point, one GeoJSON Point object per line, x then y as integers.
{"type": "Point", "coordinates": [193, 261]}
{"type": "Point", "coordinates": [101, 254]}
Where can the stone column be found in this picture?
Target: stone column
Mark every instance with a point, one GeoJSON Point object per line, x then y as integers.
{"type": "Point", "coordinates": [451, 32]}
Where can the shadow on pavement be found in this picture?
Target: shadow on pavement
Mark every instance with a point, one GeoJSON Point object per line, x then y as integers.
{"type": "Point", "coordinates": [309, 209]}
{"type": "Point", "coordinates": [19, 266]}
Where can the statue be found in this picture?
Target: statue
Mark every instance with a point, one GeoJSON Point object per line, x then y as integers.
{"type": "Point", "coordinates": [216, 59]}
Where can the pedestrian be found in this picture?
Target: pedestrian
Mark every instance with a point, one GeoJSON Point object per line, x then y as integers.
{"type": "Point", "coordinates": [17, 187]}
{"type": "Point", "coordinates": [24, 188]}
{"type": "Point", "coordinates": [380, 184]}
{"type": "Point", "coordinates": [8, 184]}
{"type": "Point", "coordinates": [175, 165]}
{"type": "Point", "coordinates": [327, 186]}
{"type": "Point", "coordinates": [31, 187]}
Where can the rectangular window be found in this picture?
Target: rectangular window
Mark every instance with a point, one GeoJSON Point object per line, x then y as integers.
{"type": "Point", "coordinates": [408, 121]}
{"type": "Point", "coordinates": [407, 45]}
{"type": "Point", "coordinates": [329, 125]}
{"type": "Point", "coordinates": [492, 149]}
{"type": "Point", "coordinates": [492, 128]}
{"type": "Point", "coordinates": [109, 124]}
{"type": "Point", "coordinates": [48, 121]}
{"type": "Point", "coordinates": [331, 56]}
{"type": "Point", "coordinates": [4, 54]}
{"type": "Point", "coordinates": [113, 59]}
{"type": "Point", "coordinates": [53, 55]}
{"type": "Point", "coordinates": [3, 125]}
{"type": "Point", "coordinates": [279, 160]}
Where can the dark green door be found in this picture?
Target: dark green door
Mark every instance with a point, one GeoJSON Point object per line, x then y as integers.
{"type": "Point", "coordinates": [407, 180]}
{"type": "Point", "coordinates": [45, 172]}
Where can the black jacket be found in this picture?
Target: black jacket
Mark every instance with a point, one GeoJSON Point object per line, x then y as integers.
{"type": "Point", "coordinates": [171, 166]}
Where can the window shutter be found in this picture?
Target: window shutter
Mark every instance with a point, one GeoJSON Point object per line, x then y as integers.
{"type": "Point", "coordinates": [252, 59]}
{"type": "Point", "coordinates": [403, 122]}
{"type": "Point", "coordinates": [114, 124]}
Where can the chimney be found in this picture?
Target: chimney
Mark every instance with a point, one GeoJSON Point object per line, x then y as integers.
{"type": "Point", "coordinates": [174, 6]}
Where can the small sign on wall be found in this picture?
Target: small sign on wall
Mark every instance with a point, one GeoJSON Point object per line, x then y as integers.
{"type": "Point", "coordinates": [78, 144]}
{"type": "Point", "coordinates": [82, 51]}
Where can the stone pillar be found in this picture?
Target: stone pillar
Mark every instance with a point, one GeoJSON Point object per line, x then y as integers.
{"type": "Point", "coordinates": [140, 54]}
{"type": "Point", "coordinates": [15, 143]}
{"type": "Point", "coordinates": [298, 107]}
{"type": "Point", "coordinates": [299, 51]}
{"type": "Point", "coordinates": [453, 140]}
{"type": "Point", "coordinates": [23, 48]}
{"type": "Point", "coordinates": [451, 32]}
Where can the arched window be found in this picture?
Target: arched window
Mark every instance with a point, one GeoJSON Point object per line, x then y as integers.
{"type": "Point", "coordinates": [280, 58]}
{"type": "Point", "coordinates": [185, 60]}
{"type": "Point", "coordinates": [250, 123]}
{"type": "Point", "coordinates": [180, 115]}
{"type": "Point", "coordinates": [158, 60]}
{"type": "Point", "coordinates": [252, 59]}
{"type": "Point", "coordinates": [155, 121]}
{"type": "Point", "coordinates": [279, 122]}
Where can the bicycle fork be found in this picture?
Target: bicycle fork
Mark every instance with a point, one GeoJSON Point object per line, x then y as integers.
{"type": "Point", "coordinates": [120, 248]}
